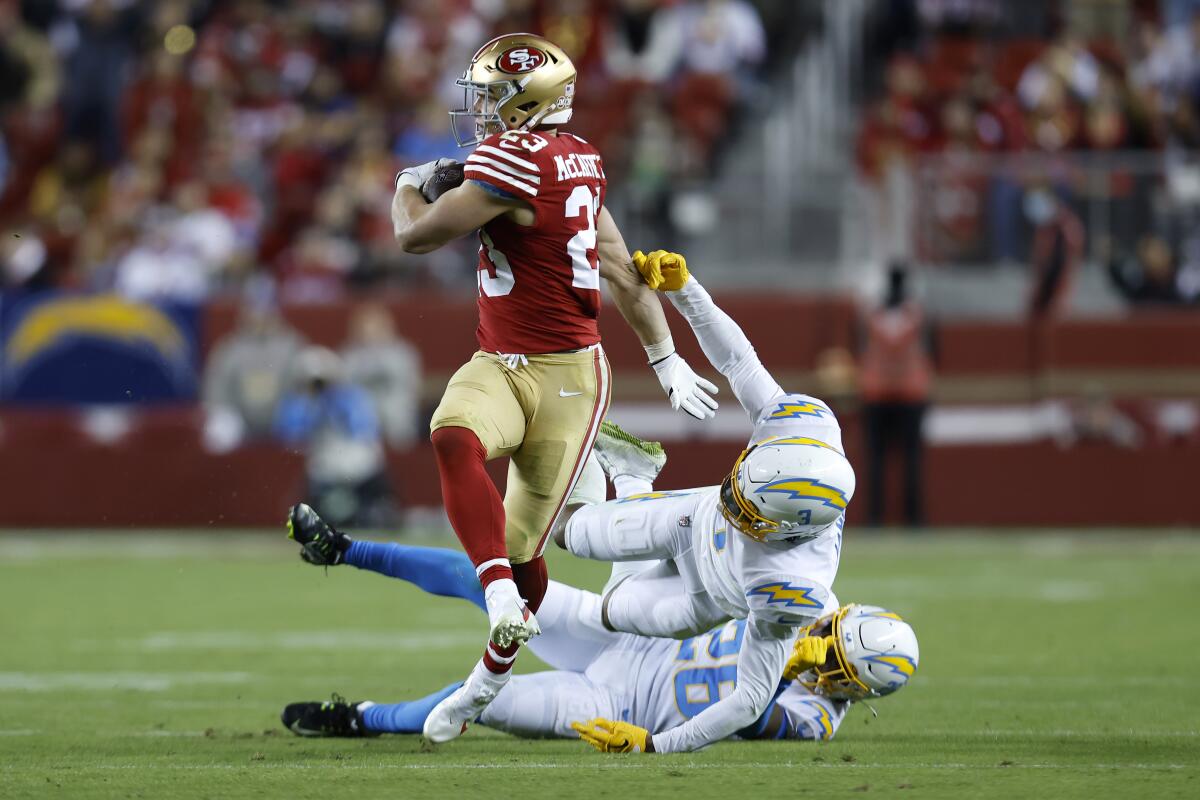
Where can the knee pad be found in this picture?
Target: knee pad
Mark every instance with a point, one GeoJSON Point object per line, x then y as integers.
{"type": "Point", "coordinates": [608, 533]}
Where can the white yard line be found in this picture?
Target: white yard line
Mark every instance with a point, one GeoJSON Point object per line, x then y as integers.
{"type": "Point", "coordinates": [338, 639]}
{"type": "Point", "coordinates": [1048, 681]}
{"type": "Point", "coordinates": [108, 681]}
{"type": "Point", "coordinates": [645, 764]}
{"type": "Point", "coordinates": [1127, 733]}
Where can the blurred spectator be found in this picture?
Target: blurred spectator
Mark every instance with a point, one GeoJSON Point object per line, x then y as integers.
{"type": "Point", "coordinates": [1064, 64]}
{"type": "Point", "coordinates": [961, 17]}
{"type": "Point", "coordinates": [334, 422]}
{"type": "Point", "coordinates": [644, 42]}
{"type": "Point", "coordinates": [427, 138]}
{"type": "Point", "coordinates": [724, 37]}
{"type": "Point", "coordinates": [163, 98]}
{"type": "Point", "coordinates": [895, 377]}
{"type": "Point", "coordinates": [1096, 419]}
{"type": "Point", "coordinates": [428, 46]}
{"type": "Point", "coordinates": [892, 135]}
{"type": "Point", "coordinates": [1150, 277]}
{"type": "Point", "coordinates": [96, 73]}
{"type": "Point", "coordinates": [29, 68]}
{"type": "Point", "coordinates": [183, 255]}
{"type": "Point", "coordinates": [23, 257]}
{"type": "Point", "coordinates": [246, 375]}
{"type": "Point", "coordinates": [725, 45]}
{"type": "Point", "coordinates": [389, 368]}
{"type": "Point", "coordinates": [1057, 251]}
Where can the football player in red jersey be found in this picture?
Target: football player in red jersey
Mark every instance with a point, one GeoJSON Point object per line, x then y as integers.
{"type": "Point", "coordinates": [538, 388]}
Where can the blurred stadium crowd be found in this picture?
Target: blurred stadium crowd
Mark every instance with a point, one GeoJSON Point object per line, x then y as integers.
{"type": "Point", "coordinates": [173, 149]}
{"type": "Point", "coordinates": [1101, 102]}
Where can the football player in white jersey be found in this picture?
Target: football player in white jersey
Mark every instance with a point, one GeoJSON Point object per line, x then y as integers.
{"type": "Point", "coordinates": [763, 546]}
{"type": "Point", "coordinates": [854, 653]}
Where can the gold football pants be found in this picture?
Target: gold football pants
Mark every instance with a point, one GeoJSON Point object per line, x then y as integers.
{"type": "Point", "coordinates": [544, 415]}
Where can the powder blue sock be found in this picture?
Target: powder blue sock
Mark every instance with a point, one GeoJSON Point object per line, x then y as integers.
{"type": "Point", "coordinates": [437, 570]}
{"type": "Point", "coordinates": [404, 717]}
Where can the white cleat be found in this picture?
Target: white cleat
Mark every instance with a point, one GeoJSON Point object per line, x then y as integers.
{"type": "Point", "coordinates": [621, 453]}
{"type": "Point", "coordinates": [511, 622]}
{"type": "Point", "coordinates": [449, 719]}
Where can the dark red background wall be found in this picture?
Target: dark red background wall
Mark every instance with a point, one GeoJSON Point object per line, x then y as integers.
{"type": "Point", "coordinates": [53, 474]}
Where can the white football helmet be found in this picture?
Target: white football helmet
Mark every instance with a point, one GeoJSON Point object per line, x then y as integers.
{"type": "Point", "coordinates": [787, 488]}
{"type": "Point", "coordinates": [875, 654]}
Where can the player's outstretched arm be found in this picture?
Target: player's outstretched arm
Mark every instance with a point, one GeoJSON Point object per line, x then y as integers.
{"type": "Point", "coordinates": [765, 650]}
{"type": "Point", "coordinates": [643, 312]}
{"type": "Point", "coordinates": [723, 341]}
{"type": "Point", "coordinates": [422, 227]}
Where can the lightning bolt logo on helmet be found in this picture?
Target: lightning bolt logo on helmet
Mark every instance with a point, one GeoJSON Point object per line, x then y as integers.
{"type": "Point", "coordinates": [807, 489]}
{"type": "Point", "coordinates": [903, 666]}
{"type": "Point", "coordinates": [798, 440]}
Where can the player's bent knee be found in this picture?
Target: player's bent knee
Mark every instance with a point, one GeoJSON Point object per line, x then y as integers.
{"type": "Point", "coordinates": [559, 532]}
{"type": "Point", "coordinates": [454, 443]}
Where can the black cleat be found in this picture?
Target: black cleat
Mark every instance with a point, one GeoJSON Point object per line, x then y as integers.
{"type": "Point", "coordinates": [334, 717]}
{"type": "Point", "coordinates": [320, 543]}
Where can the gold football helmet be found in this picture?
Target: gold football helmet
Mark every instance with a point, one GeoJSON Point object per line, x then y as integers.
{"type": "Point", "coordinates": [518, 81]}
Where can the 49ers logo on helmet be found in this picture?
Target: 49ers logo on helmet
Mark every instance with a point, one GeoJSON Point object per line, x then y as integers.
{"type": "Point", "coordinates": [518, 60]}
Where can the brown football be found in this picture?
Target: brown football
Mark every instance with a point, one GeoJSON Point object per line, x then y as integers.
{"type": "Point", "coordinates": [443, 180]}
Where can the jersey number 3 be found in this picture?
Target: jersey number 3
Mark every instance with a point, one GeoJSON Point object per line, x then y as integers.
{"type": "Point", "coordinates": [498, 279]}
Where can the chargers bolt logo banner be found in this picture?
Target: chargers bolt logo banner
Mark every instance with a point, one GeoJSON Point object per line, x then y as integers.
{"type": "Point", "coordinates": [519, 60]}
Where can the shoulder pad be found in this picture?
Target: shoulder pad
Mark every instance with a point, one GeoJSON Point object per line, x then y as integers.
{"type": "Point", "coordinates": [796, 406]}
{"type": "Point", "coordinates": [787, 600]}
{"type": "Point", "coordinates": [506, 163]}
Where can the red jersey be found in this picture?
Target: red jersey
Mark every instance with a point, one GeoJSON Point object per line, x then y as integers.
{"type": "Point", "coordinates": [895, 366]}
{"type": "Point", "coordinates": [539, 285]}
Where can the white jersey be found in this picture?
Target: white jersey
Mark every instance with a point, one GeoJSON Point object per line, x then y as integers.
{"type": "Point", "coordinates": [655, 683]}
{"type": "Point", "coordinates": [710, 573]}
{"type": "Point", "coordinates": [739, 571]}
{"type": "Point", "coordinates": [775, 586]}
{"type": "Point", "coordinates": [679, 679]}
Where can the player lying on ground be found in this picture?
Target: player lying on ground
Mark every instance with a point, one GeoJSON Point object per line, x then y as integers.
{"type": "Point", "coordinates": [656, 684]}
{"type": "Point", "coordinates": [763, 546]}
{"type": "Point", "coordinates": [538, 388]}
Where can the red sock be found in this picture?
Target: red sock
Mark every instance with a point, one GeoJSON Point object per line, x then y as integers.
{"type": "Point", "coordinates": [499, 660]}
{"type": "Point", "coordinates": [474, 506]}
{"type": "Point", "coordinates": [531, 580]}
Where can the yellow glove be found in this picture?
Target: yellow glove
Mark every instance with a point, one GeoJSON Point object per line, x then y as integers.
{"type": "Point", "coordinates": [809, 652]}
{"type": "Point", "coordinates": [613, 737]}
{"type": "Point", "coordinates": [662, 271]}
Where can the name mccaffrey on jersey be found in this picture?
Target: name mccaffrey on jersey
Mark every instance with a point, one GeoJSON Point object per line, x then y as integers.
{"type": "Point", "coordinates": [578, 165]}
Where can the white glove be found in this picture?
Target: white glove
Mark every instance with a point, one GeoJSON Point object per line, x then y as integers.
{"type": "Point", "coordinates": [416, 176]}
{"type": "Point", "coordinates": [686, 389]}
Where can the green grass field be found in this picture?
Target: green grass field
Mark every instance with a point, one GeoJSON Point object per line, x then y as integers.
{"type": "Point", "coordinates": [156, 666]}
